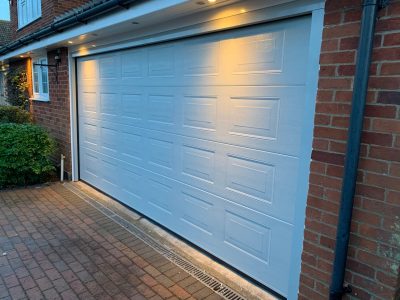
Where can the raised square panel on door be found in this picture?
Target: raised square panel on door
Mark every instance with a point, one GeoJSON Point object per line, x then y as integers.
{"type": "Point", "coordinates": [260, 181]}
{"type": "Point", "coordinates": [265, 118]}
{"type": "Point", "coordinates": [88, 104]}
{"type": "Point", "coordinates": [109, 103]}
{"type": "Point", "coordinates": [134, 67]}
{"type": "Point", "coordinates": [132, 184]}
{"type": "Point", "coordinates": [88, 72]}
{"type": "Point", "coordinates": [260, 243]}
{"type": "Point", "coordinates": [109, 69]}
{"type": "Point", "coordinates": [133, 105]}
{"type": "Point", "coordinates": [161, 153]}
{"type": "Point", "coordinates": [267, 54]}
{"type": "Point", "coordinates": [201, 61]}
{"type": "Point", "coordinates": [162, 65]}
{"type": "Point", "coordinates": [89, 166]}
{"type": "Point", "coordinates": [197, 163]}
{"type": "Point", "coordinates": [200, 112]}
{"type": "Point", "coordinates": [133, 145]}
{"type": "Point", "coordinates": [89, 136]}
{"type": "Point", "coordinates": [162, 109]}
{"type": "Point", "coordinates": [110, 139]}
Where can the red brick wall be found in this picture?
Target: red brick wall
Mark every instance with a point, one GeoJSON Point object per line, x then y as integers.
{"type": "Point", "coordinates": [50, 9]}
{"type": "Point", "coordinates": [374, 250]}
{"type": "Point", "coordinates": [55, 114]}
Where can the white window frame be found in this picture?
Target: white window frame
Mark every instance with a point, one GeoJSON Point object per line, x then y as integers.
{"type": "Point", "coordinates": [28, 11]}
{"type": "Point", "coordinates": [39, 87]}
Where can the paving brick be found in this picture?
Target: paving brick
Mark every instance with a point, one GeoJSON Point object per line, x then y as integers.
{"type": "Point", "coordinates": [203, 293]}
{"type": "Point", "coordinates": [34, 294]}
{"type": "Point", "coordinates": [51, 294]}
{"type": "Point", "coordinates": [179, 292]}
{"type": "Point", "coordinates": [17, 292]}
{"type": "Point", "coordinates": [162, 291]}
{"type": "Point", "coordinates": [27, 282]}
{"type": "Point", "coordinates": [44, 283]}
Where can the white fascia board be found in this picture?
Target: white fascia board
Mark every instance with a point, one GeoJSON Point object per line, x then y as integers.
{"type": "Point", "coordinates": [135, 11]}
{"type": "Point", "coordinates": [222, 18]}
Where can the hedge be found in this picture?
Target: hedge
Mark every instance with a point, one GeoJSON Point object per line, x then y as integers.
{"type": "Point", "coordinates": [13, 114]}
{"type": "Point", "coordinates": [24, 154]}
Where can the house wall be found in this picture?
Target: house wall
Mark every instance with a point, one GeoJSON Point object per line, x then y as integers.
{"type": "Point", "coordinates": [50, 9]}
{"type": "Point", "coordinates": [374, 250]}
{"type": "Point", "coordinates": [53, 115]}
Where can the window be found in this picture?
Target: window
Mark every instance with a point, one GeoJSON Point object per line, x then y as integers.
{"type": "Point", "coordinates": [40, 79]}
{"type": "Point", "coordinates": [28, 11]}
{"type": "Point", "coordinates": [3, 85]}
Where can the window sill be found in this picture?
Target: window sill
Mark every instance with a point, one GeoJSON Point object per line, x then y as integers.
{"type": "Point", "coordinates": [41, 99]}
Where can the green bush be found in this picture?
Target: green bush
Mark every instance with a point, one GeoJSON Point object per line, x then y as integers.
{"type": "Point", "coordinates": [24, 154]}
{"type": "Point", "coordinates": [17, 87]}
{"type": "Point", "coordinates": [13, 114]}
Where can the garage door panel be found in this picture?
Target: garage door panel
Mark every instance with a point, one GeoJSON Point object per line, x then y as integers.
{"type": "Point", "coordinates": [89, 136]}
{"type": "Point", "coordinates": [264, 55]}
{"type": "Point", "coordinates": [196, 66]}
{"type": "Point", "coordinates": [108, 169]}
{"type": "Point", "coordinates": [88, 70]}
{"type": "Point", "coordinates": [109, 138]}
{"type": "Point", "coordinates": [134, 64]}
{"type": "Point", "coordinates": [200, 111]}
{"type": "Point", "coordinates": [198, 212]}
{"type": "Point", "coordinates": [266, 118]}
{"type": "Point", "coordinates": [159, 195]}
{"type": "Point", "coordinates": [109, 106]}
{"type": "Point", "coordinates": [89, 163]}
{"type": "Point", "coordinates": [88, 104]}
{"type": "Point", "coordinates": [198, 162]}
{"type": "Point", "coordinates": [162, 61]}
{"type": "Point", "coordinates": [109, 67]}
{"type": "Point", "coordinates": [161, 154]}
{"type": "Point", "coordinates": [134, 192]}
{"type": "Point", "coordinates": [161, 110]}
{"type": "Point", "coordinates": [132, 145]}
{"type": "Point", "coordinates": [258, 180]}
{"type": "Point", "coordinates": [203, 135]}
{"type": "Point", "coordinates": [260, 244]}
{"type": "Point", "coordinates": [133, 104]}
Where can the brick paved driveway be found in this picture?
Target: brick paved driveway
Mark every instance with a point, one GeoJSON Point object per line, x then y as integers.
{"type": "Point", "coordinates": [54, 245]}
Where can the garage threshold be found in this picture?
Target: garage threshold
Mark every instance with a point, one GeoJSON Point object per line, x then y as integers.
{"type": "Point", "coordinates": [218, 277]}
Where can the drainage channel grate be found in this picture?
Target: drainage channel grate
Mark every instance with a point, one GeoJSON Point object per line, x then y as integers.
{"type": "Point", "coordinates": [215, 285]}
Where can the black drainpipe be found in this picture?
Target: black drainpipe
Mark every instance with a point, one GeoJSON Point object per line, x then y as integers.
{"type": "Point", "coordinates": [369, 15]}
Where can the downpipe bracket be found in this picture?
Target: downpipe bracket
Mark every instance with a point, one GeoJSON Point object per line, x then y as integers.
{"type": "Point", "coordinates": [337, 295]}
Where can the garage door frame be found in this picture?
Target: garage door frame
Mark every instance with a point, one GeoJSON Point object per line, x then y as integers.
{"type": "Point", "coordinates": [267, 15]}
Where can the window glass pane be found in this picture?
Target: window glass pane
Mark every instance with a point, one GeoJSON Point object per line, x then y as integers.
{"type": "Point", "coordinates": [45, 77]}
{"type": "Point", "coordinates": [23, 13]}
{"type": "Point", "coordinates": [38, 7]}
{"type": "Point", "coordinates": [29, 15]}
{"type": "Point", "coordinates": [36, 78]}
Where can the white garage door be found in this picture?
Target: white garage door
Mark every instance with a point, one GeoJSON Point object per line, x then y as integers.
{"type": "Point", "coordinates": [203, 135]}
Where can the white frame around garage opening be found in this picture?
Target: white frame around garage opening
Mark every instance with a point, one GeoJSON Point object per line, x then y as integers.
{"type": "Point", "coordinates": [315, 8]}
